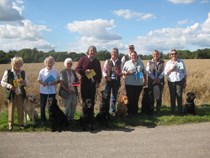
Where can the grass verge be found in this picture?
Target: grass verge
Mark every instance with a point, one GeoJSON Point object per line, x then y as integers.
{"type": "Point", "coordinates": [164, 118]}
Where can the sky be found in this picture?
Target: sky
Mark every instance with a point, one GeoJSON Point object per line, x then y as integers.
{"type": "Point", "coordinates": [74, 25]}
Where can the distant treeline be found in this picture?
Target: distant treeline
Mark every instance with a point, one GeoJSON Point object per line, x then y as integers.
{"type": "Point", "coordinates": [35, 56]}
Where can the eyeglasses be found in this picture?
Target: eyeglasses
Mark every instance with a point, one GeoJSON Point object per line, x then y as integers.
{"type": "Point", "coordinates": [69, 63]}
{"type": "Point", "coordinates": [174, 54]}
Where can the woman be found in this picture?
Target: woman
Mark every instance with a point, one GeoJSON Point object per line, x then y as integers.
{"type": "Point", "coordinates": [135, 79]}
{"type": "Point", "coordinates": [48, 78]}
{"type": "Point", "coordinates": [14, 80]}
{"type": "Point", "coordinates": [155, 71]}
{"type": "Point", "coordinates": [176, 75]}
{"type": "Point", "coordinates": [68, 77]}
{"type": "Point", "coordinates": [111, 73]}
{"type": "Point", "coordinates": [89, 68]}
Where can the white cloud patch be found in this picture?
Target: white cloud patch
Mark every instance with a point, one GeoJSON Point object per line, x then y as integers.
{"type": "Point", "coordinates": [10, 11]}
{"type": "Point", "coordinates": [181, 1]}
{"type": "Point", "coordinates": [94, 32]}
{"type": "Point", "coordinates": [197, 35]}
{"type": "Point", "coordinates": [23, 35]}
{"type": "Point", "coordinates": [182, 22]}
{"type": "Point", "coordinates": [128, 14]}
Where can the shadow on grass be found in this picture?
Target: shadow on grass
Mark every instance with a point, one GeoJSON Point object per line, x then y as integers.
{"type": "Point", "coordinates": [117, 124]}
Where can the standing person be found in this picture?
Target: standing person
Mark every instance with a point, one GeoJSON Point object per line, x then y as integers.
{"type": "Point", "coordinates": [68, 77]}
{"type": "Point", "coordinates": [112, 74]}
{"type": "Point", "coordinates": [127, 57]}
{"type": "Point", "coordinates": [14, 80]}
{"type": "Point", "coordinates": [155, 71]}
{"type": "Point", "coordinates": [135, 73]}
{"type": "Point", "coordinates": [175, 71]}
{"type": "Point", "coordinates": [48, 78]}
{"type": "Point", "coordinates": [89, 68]}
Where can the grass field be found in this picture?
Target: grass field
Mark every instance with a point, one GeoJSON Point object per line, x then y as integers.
{"type": "Point", "coordinates": [197, 81]}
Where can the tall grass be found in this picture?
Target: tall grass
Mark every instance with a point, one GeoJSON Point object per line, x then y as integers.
{"type": "Point", "coordinates": [197, 81]}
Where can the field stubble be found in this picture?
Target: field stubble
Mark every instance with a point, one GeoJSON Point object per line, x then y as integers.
{"type": "Point", "coordinates": [197, 81]}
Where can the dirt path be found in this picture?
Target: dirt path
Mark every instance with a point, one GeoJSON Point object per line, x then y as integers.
{"type": "Point", "coordinates": [177, 141]}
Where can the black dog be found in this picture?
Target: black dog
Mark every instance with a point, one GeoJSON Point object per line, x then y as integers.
{"type": "Point", "coordinates": [56, 116]}
{"type": "Point", "coordinates": [86, 120]}
{"type": "Point", "coordinates": [189, 107]}
{"type": "Point", "coordinates": [103, 115]}
{"type": "Point", "coordinates": [147, 104]}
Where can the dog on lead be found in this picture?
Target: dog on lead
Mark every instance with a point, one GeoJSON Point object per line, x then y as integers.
{"type": "Point", "coordinates": [56, 116]}
{"type": "Point", "coordinates": [29, 109]}
{"type": "Point", "coordinates": [147, 105]}
{"type": "Point", "coordinates": [103, 115]}
{"type": "Point", "coordinates": [189, 107]}
{"type": "Point", "coordinates": [87, 118]}
{"type": "Point", "coordinates": [122, 107]}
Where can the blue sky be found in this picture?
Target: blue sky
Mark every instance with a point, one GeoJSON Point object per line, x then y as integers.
{"type": "Point", "coordinates": [73, 25]}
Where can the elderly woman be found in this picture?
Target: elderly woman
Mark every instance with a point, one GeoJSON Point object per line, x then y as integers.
{"type": "Point", "coordinates": [48, 78]}
{"type": "Point", "coordinates": [68, 90]}
{"type": "Point", "coordinates": [175, 71]}
{"type": "Point", "coordinates": [135, 73]}
{"type": "Point", "coordinates": [14, 81]}
{"type": "Point", "coordinates": [89, 68]}
{"type": "Point", "coordinates": [111, 72]}
{"type": "Point", "coordinates": [155, 71]}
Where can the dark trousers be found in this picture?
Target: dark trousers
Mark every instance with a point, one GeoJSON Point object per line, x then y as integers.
{"type": "Point", "coordinates": [133, 93]}
{"type": "Point", "coordinates": [152, 100]}
{"type": "Point", "coordinates": [112, 87]}
{"type": "Point", "coordinates": [43, 102]}
{"type": "Point", "coordinates": [176, 90]}
{"type": "Point", "coordinates": [88, 91]}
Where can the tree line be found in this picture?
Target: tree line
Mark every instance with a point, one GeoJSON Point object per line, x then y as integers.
{"type": "Point", "coordinates": [36, 56]}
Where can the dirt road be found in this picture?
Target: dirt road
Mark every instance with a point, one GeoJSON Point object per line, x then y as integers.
{"type": "Point", "coordinates": [177, 141]}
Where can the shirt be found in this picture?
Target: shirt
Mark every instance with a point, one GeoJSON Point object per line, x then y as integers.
{"type": "Point", "coordinates": [46, 75]}
{"type": "Point", "coordinates": [178, 73]}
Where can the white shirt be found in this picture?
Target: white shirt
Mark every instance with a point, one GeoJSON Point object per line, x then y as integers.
{"type": "Point", "coordinates": [4, 82]}
{"type": "Point", "coordinates": [46, 75]}
{"type": "Point", "coordinates": [178, 73]}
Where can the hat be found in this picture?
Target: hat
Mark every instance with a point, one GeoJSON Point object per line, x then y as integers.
{"type": "Point", "coordinates": [131, 46]}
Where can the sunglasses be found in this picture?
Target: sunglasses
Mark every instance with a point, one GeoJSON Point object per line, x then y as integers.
{"type": "Point", "coordinates": [174, 54]}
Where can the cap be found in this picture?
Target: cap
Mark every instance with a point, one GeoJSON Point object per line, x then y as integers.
{"type": "Point", "coordinates": [131, 46]}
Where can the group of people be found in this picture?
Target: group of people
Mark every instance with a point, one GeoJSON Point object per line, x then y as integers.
{"type": "Point", "coordinates": [130, 68]}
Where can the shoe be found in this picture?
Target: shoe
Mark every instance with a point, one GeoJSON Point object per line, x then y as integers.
{"type": "Point", "coordinates": [10, 127]}
{"type": "Point", "coordinates": [21, 127]}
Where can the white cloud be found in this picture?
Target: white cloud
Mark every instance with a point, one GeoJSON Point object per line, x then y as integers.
{"type": "Point", "coordinates": [128, 14]}
{"type": "Point", "coordinates": [94, 32]}
{"type": "Point", "coordinates": [182, 22]}
{"type": "Point", "coordinates": [206, 25]}
{"type": "Point", "coordinates": [23, 35]}
{"type": "Point", "coordinates": [165, 39]}
{"type": "Point", "coordinates": [181, 1]}
{"type": "Point", "coordinates": [9, 11]}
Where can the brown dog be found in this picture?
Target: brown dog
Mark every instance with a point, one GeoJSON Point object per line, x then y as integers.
{"type": "Point", "coordinates": [122, 109]}
{"type": "Point", "coordinates": [29, 109]}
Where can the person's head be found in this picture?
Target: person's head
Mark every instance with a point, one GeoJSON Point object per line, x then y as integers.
{"type": "Point", "coordinates": [173, 54]}
{"type": "Point", "coordinates": [131, 48]}
{"type": "Point", "coordinates": [114, 53]}
{"type": "Point", "coordinates": [68, 63]}
{"type": "Point", "coordinates": [49, 62]}
{"type": "Point", "coordinates": [134, 56]}
{"type": "Point", "coordinates": [156, 55]}
{"type": "Point", "coordinates": [91, 52]}
{"type": "Point", "coordinates": [16, 63]}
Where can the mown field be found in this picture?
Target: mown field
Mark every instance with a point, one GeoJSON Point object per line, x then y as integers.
{"type": "Point", "coordinates": [198, 81]}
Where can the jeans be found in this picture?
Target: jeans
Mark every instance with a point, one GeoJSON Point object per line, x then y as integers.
{"type": "Point", "coordinates": [43, 102]}
{"type": "Point", "coordinates": [112, 87]}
